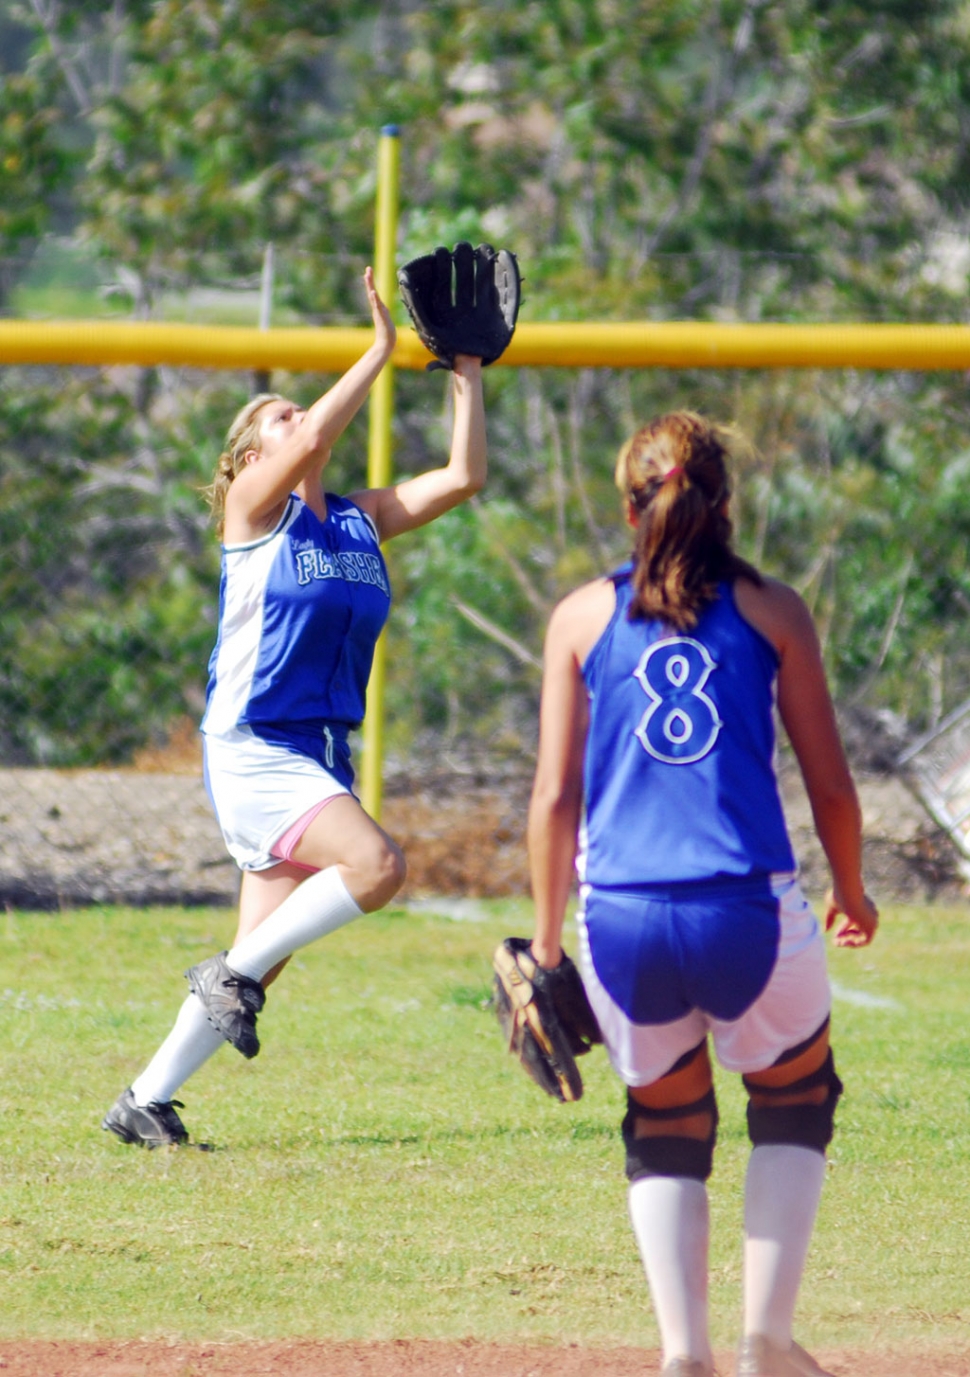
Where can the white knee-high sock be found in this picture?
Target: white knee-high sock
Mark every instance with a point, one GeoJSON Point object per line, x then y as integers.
{"type": "Point", "coordinates": [191, 1042]}
{"type": "Point", "coordinates": [321, 904]}
{"type": "Point", "coordinates": [670, 1220]}
{"type": "Point", "coordinates": [781, 1195]}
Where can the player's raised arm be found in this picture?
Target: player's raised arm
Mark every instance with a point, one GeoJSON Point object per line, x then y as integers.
{"type": "Point", "coordinates": [464, 306]}
{"type": "Point", "coordinates": [292, 445]}
{"type": "Point", "coordinates": [415, 501]}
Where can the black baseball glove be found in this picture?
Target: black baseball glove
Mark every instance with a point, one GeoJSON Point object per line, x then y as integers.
{"type": "Point", "coordinates": [465, 302]}
{"type": "Point", "coordinates": [545, 1016]}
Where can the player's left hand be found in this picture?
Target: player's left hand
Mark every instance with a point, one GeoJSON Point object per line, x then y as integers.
{"type": "Point", "coordinates": [859, 920]}
{"type": "Point", "coordinates": [462, 302]}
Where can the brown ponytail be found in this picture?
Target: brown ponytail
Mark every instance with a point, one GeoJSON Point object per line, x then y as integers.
{"type": "Point", "coordinates": [673, 474]}
{"type": "Point", "coordinates": [242, 436]}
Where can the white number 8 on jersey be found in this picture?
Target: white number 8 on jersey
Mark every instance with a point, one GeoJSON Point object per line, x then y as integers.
{"type": "Point", "coordinates": [681, 724]}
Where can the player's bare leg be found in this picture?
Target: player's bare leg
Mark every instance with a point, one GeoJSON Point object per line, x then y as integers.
{"type": "Point", "coordinates": [358, 869]}
{"type": "Point", "coordinates": [355, 868]}
{"type": "Point", "coordinates": [369, 863]}
{"type": "Point", "coordinates": [260, 894]}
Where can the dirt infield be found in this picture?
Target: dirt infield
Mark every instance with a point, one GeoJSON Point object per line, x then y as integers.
{"type": "Point", "coordinates": [401, 1358]}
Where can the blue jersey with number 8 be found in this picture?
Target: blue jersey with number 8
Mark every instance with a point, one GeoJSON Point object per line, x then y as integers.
{"type": "Point", "coordinates": [679, 774]}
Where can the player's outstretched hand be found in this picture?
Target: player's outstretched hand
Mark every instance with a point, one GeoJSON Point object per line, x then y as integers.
{"type": "Point", "coordinates": [858, 922]}
{"type": "Point", "coordinates": [384, 328]}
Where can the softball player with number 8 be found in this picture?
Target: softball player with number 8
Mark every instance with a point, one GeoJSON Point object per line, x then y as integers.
{"type": "Point", "coordinates": [655, 778]}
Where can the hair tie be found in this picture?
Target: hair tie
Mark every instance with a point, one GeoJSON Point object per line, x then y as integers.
{"type": "Point", "coordinates": [675, 468]}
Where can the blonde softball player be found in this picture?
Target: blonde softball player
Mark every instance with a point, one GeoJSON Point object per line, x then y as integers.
{"type": "Point", "coordinates": [304, 596]}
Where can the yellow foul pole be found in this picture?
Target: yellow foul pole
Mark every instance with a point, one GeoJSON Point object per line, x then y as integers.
{"type": "Point", "coordinates": [379, 449]}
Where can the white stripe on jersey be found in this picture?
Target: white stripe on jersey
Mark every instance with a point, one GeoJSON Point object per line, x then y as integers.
{"type": "Point", "coordinates": [241, 627]}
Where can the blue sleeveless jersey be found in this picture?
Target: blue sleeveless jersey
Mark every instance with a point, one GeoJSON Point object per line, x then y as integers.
{"type": "Point", "coordinates": [679, 775]}
{"type": "Point", "coordinates": [300, 611]}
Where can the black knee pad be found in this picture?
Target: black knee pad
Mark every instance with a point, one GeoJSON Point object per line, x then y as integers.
{"type": "Point", "coordinates": [798, 1125]}
{"type": "Point", "coordinates": [672, 1154]}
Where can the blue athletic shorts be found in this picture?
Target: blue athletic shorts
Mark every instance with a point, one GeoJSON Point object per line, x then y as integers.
{"type": "Point", "coordinates": [742, 960]}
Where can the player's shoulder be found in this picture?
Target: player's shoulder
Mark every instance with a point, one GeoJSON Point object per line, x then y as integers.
{"type": "Point", "coordinates": [588, 599]}
{"type": "Point", "coordinates": [768, 591]}
{"type": "Point", "coordinates": [774, 608]}
{"type": "Point", "coordinates": [355, 513]}
{"type": "Point", "coordinates": [581, 616]}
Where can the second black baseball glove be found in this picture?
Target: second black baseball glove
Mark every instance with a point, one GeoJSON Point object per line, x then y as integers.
{"type": "Point", "coordinates": [465, 302]}
{"type": "Point", "coordinates": [545, 1016]}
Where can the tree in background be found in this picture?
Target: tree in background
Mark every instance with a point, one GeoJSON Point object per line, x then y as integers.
{"type": "Point", "coordinates": [743, 160]}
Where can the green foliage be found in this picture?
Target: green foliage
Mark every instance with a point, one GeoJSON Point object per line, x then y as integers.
{"type": "Point", "coordinates": [31, 166]}
{"type": "Point", "coordinates": [671, 160]}
{"type": "Point", "coordinates": [108, 574]}
{"type": "Point", "coordinates": [364, 1163]}
{"type": "Point", "coordinates": [99, 679]}
{"type": "Point", "coordinates": [207, 150]}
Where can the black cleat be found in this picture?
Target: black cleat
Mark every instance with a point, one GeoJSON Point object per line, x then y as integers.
{"type": "Point", "coordinates": [759, 1356]}
{"type": "Point", "coordinates": [150, 1125]}
{"type": "Point", "coordinates": [231, 1001]}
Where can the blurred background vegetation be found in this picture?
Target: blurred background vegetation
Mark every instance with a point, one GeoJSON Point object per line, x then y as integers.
{"type": "Point", "coordinates": [681, 159]}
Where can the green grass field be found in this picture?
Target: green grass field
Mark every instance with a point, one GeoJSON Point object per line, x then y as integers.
{"type": "Point", "coordinates": [382, 1169]}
